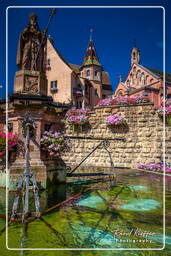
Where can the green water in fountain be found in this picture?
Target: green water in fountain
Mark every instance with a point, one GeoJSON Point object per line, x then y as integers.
{"type": "Point", "coordinates": [141, 205]}
{"type": "Point", "coordinates": [96, 218]}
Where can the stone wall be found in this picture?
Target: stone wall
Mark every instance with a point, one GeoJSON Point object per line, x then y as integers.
{"type": "Point", "coordinates": [143, 134]}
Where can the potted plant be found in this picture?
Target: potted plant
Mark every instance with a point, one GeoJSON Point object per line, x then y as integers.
{"type": "Point", "coordinates": [115, 120]}
{"type": "Point", "coordinates": [77, 117]}
{"type": "Point", "coordinates": [55, 143]}
{"type": "Point", "coordinates": [165, 111]}
{"type": "Point", "coordinates": [12, 141]}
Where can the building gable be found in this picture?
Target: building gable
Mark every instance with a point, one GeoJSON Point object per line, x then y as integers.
{"type": "Point", "coordinates": [140, 76]}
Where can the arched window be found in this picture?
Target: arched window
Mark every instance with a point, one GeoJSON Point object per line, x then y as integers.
{"type": "Point", "coordinates": [142, 78]}
{"type": "Point", "coordinates": [134, 69]}
{"type": "Point", "coordinates": [131, 79]}
{"type": "Point", "coordinates": [95, 72]}
{"type": "Point", "coordinates": [120, 93]}
{"type": "Point", "coordinates": [151, 80]}
{"type": "Point", "coordinates": [88, 72]}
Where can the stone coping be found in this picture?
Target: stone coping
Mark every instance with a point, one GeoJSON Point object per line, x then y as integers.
{"type": "Point", "coordinates": [95, 138]}
{"type": "Point", "coordinates": [124, 105]}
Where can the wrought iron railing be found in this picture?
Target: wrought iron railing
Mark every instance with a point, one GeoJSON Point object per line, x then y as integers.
{"type": "Point", "coordinates": [104, 143]}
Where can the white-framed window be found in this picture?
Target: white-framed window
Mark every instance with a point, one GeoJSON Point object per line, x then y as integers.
{"type": "Point", "coordinates": [53, 85]}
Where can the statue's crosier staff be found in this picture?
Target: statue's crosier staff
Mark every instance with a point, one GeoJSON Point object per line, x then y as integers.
{"type": "Point", "coordinates": [52, 13]}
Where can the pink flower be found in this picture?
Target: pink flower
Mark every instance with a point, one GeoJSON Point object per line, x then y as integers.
{"type": "Point", "coordinates": [115, 119]}
{"type": "Point", "coordinates": [168, 170]}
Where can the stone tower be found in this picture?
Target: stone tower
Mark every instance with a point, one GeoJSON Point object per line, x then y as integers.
{"type": "Point", "coordinates": [135, 56]}
{"type": "Point", "coordinates": [91, 67]}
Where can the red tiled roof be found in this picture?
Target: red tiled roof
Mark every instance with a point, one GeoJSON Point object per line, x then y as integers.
{"type": "Point", "coordinates": [75, 67]}
{"type": "Point", "coordinates": [105, 78]}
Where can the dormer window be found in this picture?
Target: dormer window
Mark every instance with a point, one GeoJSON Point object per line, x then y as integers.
{"type": "Point", "coordinates": [53, 86]}
{"type": "Point", "coordinates": [88, 73]}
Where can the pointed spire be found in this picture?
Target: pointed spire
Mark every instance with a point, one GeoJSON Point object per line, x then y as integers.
{"type": "Point", "coordinates": [134, 43]}
{"type": "Point", "coordinates": [91, 57]}
{"type": "Point", "coordinates": [91, 34]}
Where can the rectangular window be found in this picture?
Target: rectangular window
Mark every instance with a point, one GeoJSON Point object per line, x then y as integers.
{"type": "Point", "coordinates": [80, 104]}
{"type": "Point", "coordinates": [48, 62]}
{"type": "Point", "coordinates": [96, 91]}
{"type": "Point", "coordinates": [10, 127]}
{"type": "Point", "coordinates": [53, 85]}
{"type": "Point", "coordinates": [47, 127]}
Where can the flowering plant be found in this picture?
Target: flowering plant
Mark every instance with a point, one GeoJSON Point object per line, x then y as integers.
{"type": "Point", "coordinates": [139, 98]}
{"type": "Point", "coordinates": [104, 102]}
{"type": "Point", "coordinates": [167, 111]}
{"type": "Point", "coordinates": [154, 167]}
{"type": "Point", "coordinates": [77, 116]}
{"type": "Point", "coordinates": [55, 143]}
{"type": "Point", "coordinates": [123, 100]}
{"type": "Point", "coordinates": [115, 120]}
{"type": "Point", "coordinates": [12, 142]}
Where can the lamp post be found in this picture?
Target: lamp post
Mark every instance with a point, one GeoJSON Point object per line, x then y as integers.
{"type": "Point", "coordinates": [27, 178]}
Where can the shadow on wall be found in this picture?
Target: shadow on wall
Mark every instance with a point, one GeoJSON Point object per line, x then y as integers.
{"type": "Point", "coordinates": [122, 128]}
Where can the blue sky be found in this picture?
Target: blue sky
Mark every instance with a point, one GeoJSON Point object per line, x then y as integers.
{"type": "Point", "coordinates": [114, 30]}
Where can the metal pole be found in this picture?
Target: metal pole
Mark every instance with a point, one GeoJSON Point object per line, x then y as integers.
{"type": "Point", "coordinates": [27, 172]}
{"type": "Point", "coordinates": [53, 12]}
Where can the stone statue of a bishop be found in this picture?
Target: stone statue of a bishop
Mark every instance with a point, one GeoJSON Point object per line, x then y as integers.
{"type": "Point", "coordinates": [31, 53]}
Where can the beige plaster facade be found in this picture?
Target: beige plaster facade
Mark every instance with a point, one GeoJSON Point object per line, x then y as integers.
{"type": "Point", "coordinates": [70, 83]}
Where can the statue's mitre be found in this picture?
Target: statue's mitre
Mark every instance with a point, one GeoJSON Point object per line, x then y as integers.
{"type": "Point", "coordinates": [32, 15]}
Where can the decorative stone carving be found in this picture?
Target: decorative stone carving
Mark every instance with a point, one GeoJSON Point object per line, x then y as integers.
{"type": "Point", "coordinates": [31, 84]}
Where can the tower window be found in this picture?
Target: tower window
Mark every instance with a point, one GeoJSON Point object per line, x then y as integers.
{"type": "Point", "coordinates": [95, 72]}
{"type": "Point", "coordinates": [88, 73]}
{"type": "Point", "coordinates": [96, 91]}
{"type": "Point", "coordinates": [53, 85]}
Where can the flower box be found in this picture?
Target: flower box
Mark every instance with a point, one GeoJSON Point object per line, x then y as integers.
{"type": "Point", "coordinates": [115, 120]}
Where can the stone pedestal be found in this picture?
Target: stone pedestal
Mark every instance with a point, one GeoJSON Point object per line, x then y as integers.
{"type": "Point", "coordinates": [30, 82]}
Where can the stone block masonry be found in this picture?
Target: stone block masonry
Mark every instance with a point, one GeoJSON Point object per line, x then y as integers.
{"type": "Point", "coordinates": [143, 134]}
